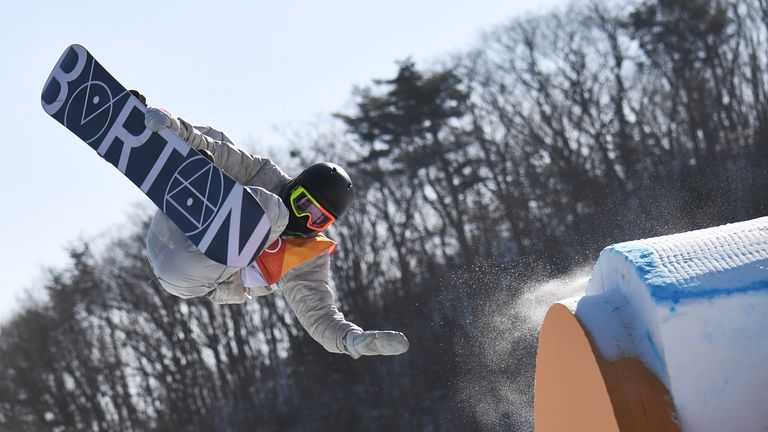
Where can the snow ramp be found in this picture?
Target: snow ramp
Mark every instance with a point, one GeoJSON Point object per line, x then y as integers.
{"type": "Point", "coordinates": [671, 334]}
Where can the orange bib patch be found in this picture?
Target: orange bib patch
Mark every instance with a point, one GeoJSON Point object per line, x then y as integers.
{"type": "Point", "coordinates": [285, 254]}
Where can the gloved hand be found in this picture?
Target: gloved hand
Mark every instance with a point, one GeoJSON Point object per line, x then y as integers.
{"type": "Point", "coordinates": [360, 343]}
{"type": "Point", "coordinates": [156, 119]}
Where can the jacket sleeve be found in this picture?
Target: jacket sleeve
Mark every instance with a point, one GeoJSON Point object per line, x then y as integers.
{"type": "Point", "coordinates": [245, 168]}
{"type": "Point", "coordinates": [309, 295]}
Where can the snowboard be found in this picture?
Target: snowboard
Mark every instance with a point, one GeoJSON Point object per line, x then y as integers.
{"type": "Point", "coordinates": [218, 215]}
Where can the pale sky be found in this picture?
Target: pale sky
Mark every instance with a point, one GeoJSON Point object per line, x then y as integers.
{"type": "Point", "coordinates": [249, 68]}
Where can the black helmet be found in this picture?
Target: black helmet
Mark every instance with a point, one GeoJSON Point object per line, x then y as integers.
{"type": "Point", "coordinates": [328, 185]}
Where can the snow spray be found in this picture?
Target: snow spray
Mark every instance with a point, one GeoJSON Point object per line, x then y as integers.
{"type": "Point", "coordinates": [499, 380]}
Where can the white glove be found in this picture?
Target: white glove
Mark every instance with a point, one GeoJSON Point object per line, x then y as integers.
{"type": "Point", "coordinates": [156, 119]}
{"type": "Point", "coordinates": [375, 343]}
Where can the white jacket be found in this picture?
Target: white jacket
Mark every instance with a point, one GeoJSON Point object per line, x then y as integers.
{"type": "Point", "coordinates": [185, 272]}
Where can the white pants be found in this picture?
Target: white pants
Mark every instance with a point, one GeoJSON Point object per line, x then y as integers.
{"type": "Point", "coordinates": [182, 269]}
{"type": "Point", "coordinates": [179, 266]}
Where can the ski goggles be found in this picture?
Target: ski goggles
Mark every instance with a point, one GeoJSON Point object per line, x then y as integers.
{"type": "Point", "coordinates": [303, 204]}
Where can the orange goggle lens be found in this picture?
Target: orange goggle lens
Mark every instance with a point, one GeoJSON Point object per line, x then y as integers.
{"type": "Point", "coordinates": [303, 204]}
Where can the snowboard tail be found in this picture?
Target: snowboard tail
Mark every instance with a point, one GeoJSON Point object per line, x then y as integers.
{"type": "Point", "coordinates": [218, 215]}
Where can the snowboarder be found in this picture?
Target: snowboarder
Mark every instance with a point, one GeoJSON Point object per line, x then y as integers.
{"type": "Point", "coordinates": [297, 260]}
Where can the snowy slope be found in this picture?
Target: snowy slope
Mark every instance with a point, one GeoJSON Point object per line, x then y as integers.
{"type": "Point", "coordinates": [694, 308]}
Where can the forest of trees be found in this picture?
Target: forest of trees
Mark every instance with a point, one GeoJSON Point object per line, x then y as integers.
{"type": "Point", "coordinates": [476, 177]}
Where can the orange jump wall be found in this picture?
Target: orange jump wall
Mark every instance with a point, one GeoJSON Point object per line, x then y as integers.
{"type": "Point", "coordinates": [577, 390]}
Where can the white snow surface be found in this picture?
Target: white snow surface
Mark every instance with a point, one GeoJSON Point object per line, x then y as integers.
{"type": "Point", "coordinates": [694, 308]}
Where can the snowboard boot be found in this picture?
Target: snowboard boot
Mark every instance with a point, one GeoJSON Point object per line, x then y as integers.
{"type": "Point", "coordinates": [139, 96]}
{"type": "Point", "coordinates": [206, 154]}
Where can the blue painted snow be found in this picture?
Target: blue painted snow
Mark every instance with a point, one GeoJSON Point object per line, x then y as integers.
{"type": "Point", "coordinates": [664, 288]}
